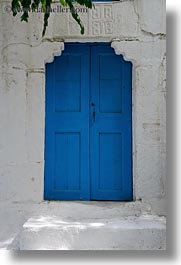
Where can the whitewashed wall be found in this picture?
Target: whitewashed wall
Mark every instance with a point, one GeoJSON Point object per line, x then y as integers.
{"type": "Point", "coordinates": [136, 29]}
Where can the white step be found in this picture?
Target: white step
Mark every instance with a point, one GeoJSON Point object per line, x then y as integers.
{"type": "Point", "coordinates": [127, 233]}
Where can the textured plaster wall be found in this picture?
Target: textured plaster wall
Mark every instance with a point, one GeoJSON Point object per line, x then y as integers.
{"type": "Point", "coordinates": [136, 29]}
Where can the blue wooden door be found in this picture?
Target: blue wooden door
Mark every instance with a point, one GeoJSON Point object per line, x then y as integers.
{"type": "Point", "coordinates": [88, 125]}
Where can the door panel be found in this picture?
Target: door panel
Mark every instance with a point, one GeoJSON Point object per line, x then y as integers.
{"type": "Point", "coordinates": [110, 140]}
{"type": "Point", "coordinates": [110, 96]}
{"type": "Point", "coordinates": [67, 126]}
{"type": "Point", "coordinates": [68, 84]}
{"type": "Point", "coordinates": [65, 159]}
{"type": "Point", "coordinates": [88, 152]}
{"type": "Point", "coordinates": [110, 162]}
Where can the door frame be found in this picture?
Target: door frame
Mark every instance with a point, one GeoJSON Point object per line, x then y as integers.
{"type": "Point", "coordinates": [92, 43]}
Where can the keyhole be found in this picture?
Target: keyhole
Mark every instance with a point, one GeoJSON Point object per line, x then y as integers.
{"type": "Point", "coordinates": [92, 104]}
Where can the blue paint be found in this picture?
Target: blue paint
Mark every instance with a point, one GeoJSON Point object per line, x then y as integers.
{"type": "Point", "coordinates": [88, 134]}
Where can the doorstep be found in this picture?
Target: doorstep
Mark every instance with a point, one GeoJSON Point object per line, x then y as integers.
{"type": "Point", "coordinates": [80, 228]}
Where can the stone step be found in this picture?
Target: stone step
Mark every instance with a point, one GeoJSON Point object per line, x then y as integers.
{"type": "Point", "coordinates": [126, 233]}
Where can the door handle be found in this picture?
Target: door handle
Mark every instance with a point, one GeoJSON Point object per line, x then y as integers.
{"type": "Point", "coordinates": [94, 115]}
{"type": "Point", "coordinates": [93, 112]}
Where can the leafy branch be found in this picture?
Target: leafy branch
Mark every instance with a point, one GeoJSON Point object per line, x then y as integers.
{"type": "Point", "coordinates": [26, 6]}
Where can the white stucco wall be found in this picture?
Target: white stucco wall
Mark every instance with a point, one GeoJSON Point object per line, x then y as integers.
{"type": "Point", "coordinates": [136, 29]}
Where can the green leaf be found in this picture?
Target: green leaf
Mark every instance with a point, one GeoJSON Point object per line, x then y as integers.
{"type": "Point", "coordinates": [24, 17]}
{"type": "Point", "coordinates": [87, 3]}
{"type": "Point", "coordinates": [46, 15]}
{"type": "Point", "coordinates": [63, 2]}
{"type": "Point", "coordinates": [14, 6]}
{"type": "Point", "coordinates": [35, 4]}
{"type": "Point", "coordinates": [43, 2]}
{"type": "Point", "coordinates": [75, 16]}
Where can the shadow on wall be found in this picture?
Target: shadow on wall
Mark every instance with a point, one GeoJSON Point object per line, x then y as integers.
{"type": "Point", "coordinates": [172, 249]}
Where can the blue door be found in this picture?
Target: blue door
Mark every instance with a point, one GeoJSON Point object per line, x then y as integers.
{"type": "Point", "coordinates": [88, 134]}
